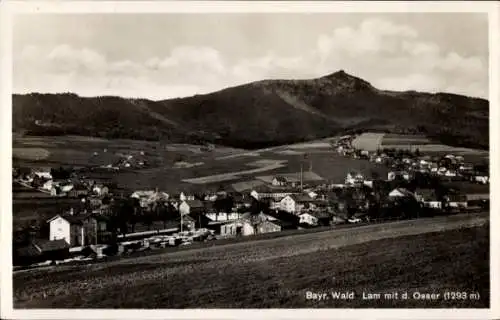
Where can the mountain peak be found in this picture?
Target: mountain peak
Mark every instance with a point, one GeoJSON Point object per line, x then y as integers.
{"type": "Point", "coordinates": [343, 79]}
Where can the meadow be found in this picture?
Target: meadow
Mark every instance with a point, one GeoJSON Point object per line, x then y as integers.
{"type": "Point", "coordinates": [428, 255]}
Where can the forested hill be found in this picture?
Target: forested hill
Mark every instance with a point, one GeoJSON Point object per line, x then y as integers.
{"type": "Point", "coordinates": [259, 114]}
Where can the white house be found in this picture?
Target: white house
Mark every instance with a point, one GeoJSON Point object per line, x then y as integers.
{"type": "Point", "coordinates": [428, 198]}
{"type": "Point", "coordinates": [295, 203]}
{"type": "Point", "coordinates": [309, 219]}
{"type": "Point", "coordinates": [393, 174]}
{"type": "Point", "coordinates": [482, 179]}
{"type": "Point", "coordinates": [400, 193]}
{"type": "Point", "coordinates": [244, 226]}
{"type": "Point", "coordinates": [45, 174]}
{"type": "Point", "coordinates": [189, 206]}
{"type": "Point", "coordinates": [279, 181]}
{"type": "Point", "coordinates": [222, 216]}
{"type": "Point", "coordinates": [354, 178]}
{"type": "Point", "coordinates": [457, 201]}
{"type": "Point", "coordinates": [75, 230]}
{"type": "Point", "coordinates": [312, 194]}
{"type": "Point", "coordinates": [368, 183]}
{"type": "Point", "coordinates": [67, 188]}
{"type": "Point", "coordinates": [450, 173]}
{"type": "Point", "coordinates": [60, 228]}
{"type": "Point", "coordinates": [100, 189]}
{"type": "Point", "coordinates": [48, 185]}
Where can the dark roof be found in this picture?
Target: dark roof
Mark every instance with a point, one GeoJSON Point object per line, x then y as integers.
{"type": "Point", "coordinates": [281, 178]}
{"type": "Point", "coordinates": [195, 203]}
{"type": "Point", "coordinates": [52, 245]}
{"type": "Point", "coordinates": [457, 197]}
{"type": "Point", "coordinates": [427, 194]}
{"type": "Point", "coordinates": [301, 198]}
{"type": "Point", "coordinates": [320, 214]}
{"type": "Point", "coordinates": [283, 224]}
{"type": "Point", "coordinates": [79, 218]}
{"type": "Point", "coordinates": [28, 251]}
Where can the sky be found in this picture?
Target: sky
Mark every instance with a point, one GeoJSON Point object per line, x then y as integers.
{"type": "Point", "coordinates": [161, 56]}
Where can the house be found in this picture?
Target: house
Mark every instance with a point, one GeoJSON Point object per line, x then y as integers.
{"type": "Point", "coordinates": [78, 190]}
{"type": "Point", "coordinates": [354, 178]}
{"type": "Point", "coordinates": [269, 226]}
{"type": "Point", "coordinates": [308, 219]}
{"type": "Point", "coordinates": [279, 181]}
{"type": "Point", "coordinates": [400, 193]}
{"type": "Point", "coordinates": [77, 230]}
{"type": "Point", "coordinates": [237, 228]}
{"type": "Point", "coordinates": [483, 179]}
{"type": "Point", "coordinates": [428, 198]}
{"type": "Point", "coordinates": [191, 206]}
{"type": "Point", "coordinates": [295, 203]}
{"type": "Point", "coordinates": [393, 175]}
{"type": "Point", "coordinates": [450, 173]}
{"type": "Point", "coordinates": [223, 216]}
{"type": "Point", "coordinates": [43, 174]}
{"type": "Point", "coordinates": [150, 196]}
{"type": "Point", "coordinates": [315, 218]}
{"type": "Point", "coordinates": [100, 189]}
{"type": "Point", "coordinates": [457, 201]}
{"type": "Point", "coordinates": [248, 225]}
{"type": "Point", "coordinates": [66, 188]}
{"type": "Point", "coordinates": [264, 192]}
{"type": "Point", "coordinates": [48, 185]}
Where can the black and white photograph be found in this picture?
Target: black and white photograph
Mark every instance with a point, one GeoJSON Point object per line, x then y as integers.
{"type": "Point", "coordinates": [248, 157]}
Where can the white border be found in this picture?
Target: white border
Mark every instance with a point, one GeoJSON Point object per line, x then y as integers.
{"type": "Point", "coordinates": [83, 7]}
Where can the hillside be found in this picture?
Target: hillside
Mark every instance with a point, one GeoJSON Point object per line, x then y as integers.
{"type": "Point", "coordinates": [259, 114]}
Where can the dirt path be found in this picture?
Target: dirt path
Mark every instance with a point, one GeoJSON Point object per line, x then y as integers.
{"type": "Point", "coordinates": [234, 175]}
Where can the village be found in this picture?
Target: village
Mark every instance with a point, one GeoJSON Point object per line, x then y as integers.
{"type": "Point", "coordinates": [107, 222]}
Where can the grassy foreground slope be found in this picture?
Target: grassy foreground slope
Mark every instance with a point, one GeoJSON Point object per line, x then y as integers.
{"type": "Point", "coordinates": [278, 272]}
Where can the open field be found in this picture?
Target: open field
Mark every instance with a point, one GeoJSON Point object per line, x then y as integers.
{"type": "Point", "coordinates": [76, 150]}
{"type": "Point", "coordinates": [368, 141]}
{"type": "Point", "coordinates": [427, 255]}
{"type": "Point", "coordinates": [30, 153]}
{"type": "Point", "coordinates": [171, 178]}
{"type": "Point", "coordinates": [372, 141]}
